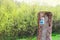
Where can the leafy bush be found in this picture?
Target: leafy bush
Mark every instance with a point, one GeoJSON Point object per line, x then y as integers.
{"type": "Point", "coordinates": [19, 19]}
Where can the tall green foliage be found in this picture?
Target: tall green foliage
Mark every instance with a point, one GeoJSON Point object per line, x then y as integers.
{"type": "Point", "coordinates": [18, 19]}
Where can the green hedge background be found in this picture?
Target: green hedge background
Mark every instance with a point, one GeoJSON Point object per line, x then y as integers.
{"type": "Point", "coordinates": [20, 19]}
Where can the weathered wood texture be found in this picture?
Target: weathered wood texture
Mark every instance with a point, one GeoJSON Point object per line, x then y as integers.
{"type": "Point", "coordinates": [45, 30]}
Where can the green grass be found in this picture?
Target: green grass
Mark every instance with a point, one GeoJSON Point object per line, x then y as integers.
{"type": "Point", "coordinates": [54, 37]}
